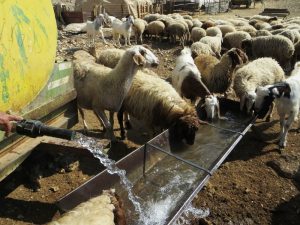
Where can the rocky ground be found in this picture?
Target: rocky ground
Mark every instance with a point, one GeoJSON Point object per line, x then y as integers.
{"type": "Point", "coordinates": [257, 184]}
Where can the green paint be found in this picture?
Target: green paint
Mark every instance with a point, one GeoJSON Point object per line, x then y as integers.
{"type": "Point", "coordinates": [42, 27]}
{"type": "Point", "coordinates": [21, 44]}
{"type": "Point", "coordinates": [4, 75]}
{"type": "Point", "coordinates": [19, 14]}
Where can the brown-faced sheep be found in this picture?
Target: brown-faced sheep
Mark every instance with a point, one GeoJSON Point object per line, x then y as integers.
{"type": "Point", "coordinates": [218, 75]}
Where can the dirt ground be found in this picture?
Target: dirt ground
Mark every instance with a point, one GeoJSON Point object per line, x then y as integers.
{"type": "Point", "coordinates": [250, 187]}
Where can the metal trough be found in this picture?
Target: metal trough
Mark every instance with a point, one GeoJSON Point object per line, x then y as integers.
{"type": "Point", "coordinates": [169, 173]}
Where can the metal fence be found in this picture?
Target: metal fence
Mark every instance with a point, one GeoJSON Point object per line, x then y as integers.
{"type": "Point", "coordinates": [216, 6]}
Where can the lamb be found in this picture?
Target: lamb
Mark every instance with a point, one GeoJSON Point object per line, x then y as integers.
{"type": "Point", "coordinates": [122, 28]}
{"type": "Point", "coordinates": [234, 39]}
{"type": "Point", "coordinates": [287, 95]}
{"type": "Point", "coordinates": [155, 102]}
{"type": "Point", "coordinates": [277, 47]}
{"type": "Point", "coordinates": [217, 75]}
{"type": "Point", "coordinates": [100, 88]}
{"type": "Point", "coordinates": [199, 48]}
{"type": "Point", "coordinates": [215, 44]}
{"type": "Point", "coordinates": [260, 72]}
{"type": "Point", "coordinates": [197, 33]}
{"type": "Point", "coordinates": [139, 27]}
{"type": "Point", "coordinates": [92, 28]}
{"type": "Point", "coordinates": [186, 78]}
{"type": "Point", "coordinates": [155, 28]}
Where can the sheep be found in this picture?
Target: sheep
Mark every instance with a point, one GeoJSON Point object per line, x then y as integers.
{"type": "Point", "coordinates": [105, 209]}
{"type": "Point", "coordinates": [197, 23]}
{"type": "Point", "coordinates": [92, 28]}
{"type": "Point", "coordinates": [155, 102]}
{"type": "Point", "coordinates": [151, 17]}
{"type": "Point", "coordinates": [189, 23]}
{"type": "Point", "coordinates": [100, 88]}
{"type": "Point", "coordinates": [199, 48]}
{"type": "Point", "coordinates": [215, 44]}
{"type": "Point", "coordinates": [207, 24]}
{"type": "Point", "coordinates": [260, 72]}
{"type": "Point", "coordinates": [247, 28]}
{"type": "Point", "coordinates": [234, 39]}
{"type": "Point", "coordinates": [139, 27]}
{"type": "Point", "coordinates": [287, 95]}
{"type": "Point", "coordinates": [188, 17]}
{"type": "Point", "coordinates": [277, 47]}
{"type": "Point", "coordinates": [225, 29]}
{"type": "Point", "coordinates": [186, 78]}
{"type": "Point", "coordinates": [109, 57]}
{"type": "Point", "coordinates": [122, 28]}
{"type": "Point", "coordinates": [289, 34]}
{"type": "Point", "coordinates": [197, 33]}
{"type": "Point", "coordinates": [260, 33]}
{"type": "Point", "coordinates": [155, 28]}
{"type": "Point", "coordinates": [296, 55]}
{"type": "Point", "coordinates": [267, 19]}
{"type": "Point", "coordinates": [217, 75]}
{"type": "Point", "coordinates": [214, 31]}
{"type": "Point", "coordinates": [176, 29]}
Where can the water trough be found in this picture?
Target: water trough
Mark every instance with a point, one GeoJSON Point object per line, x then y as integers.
{"type": "Point", "coordinates": [166, 176]}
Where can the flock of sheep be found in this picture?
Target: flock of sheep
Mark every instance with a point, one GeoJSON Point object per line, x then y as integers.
{"type": "Point", "coordinates": [250, 57]}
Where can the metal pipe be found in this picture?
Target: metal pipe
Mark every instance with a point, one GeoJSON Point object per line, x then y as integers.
{"type": "Point", "coordinates": [35, 128]}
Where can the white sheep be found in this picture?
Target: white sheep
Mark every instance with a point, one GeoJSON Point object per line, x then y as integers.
{"type": "Point", "coordinates": [122, 28]}
{"type": "Point", "coordinates": [155, 28]}
{"type": "Point", "coordinates": [100, 88]}
{"type": "Point", "coordinates": [109, 57]}
{"type": "Point", "coordinates": [155, 102]}
{"type": "Point", "coordinates": [214, 31]}
{"type": "Point", "coordinates": [94, 27]}
{"type": "Point", "coordinates": [277, 47]}
{"type": "Point", "coordinates": [215, 43]}
{"type": "Point", "coordinates": [197, 33]}
{"type": "Point", "coordinates": [234, 39]}
{"type": "Point", "coordinates": [139, 27]}
{"type": "Point", "coordinates": [287, 95]}
{"type": "Point", "coordinates": [225, 29]}
{"type": "Point", "coordinates": [199, 48]}
{"type": "Point", "coordinates": [247, 78]}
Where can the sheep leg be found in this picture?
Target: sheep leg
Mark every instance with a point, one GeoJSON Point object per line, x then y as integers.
{"type": "Point", "coordinates": [270, 112]}
{"type": "Point", "coordinates": [287, 125]}
{"type": "Point", "coordinates": [128, 38]}
{"type": "Point", "coordinates": [120, 121]}
{"type": "Point", "coordinates": [102, 36]}
{"type": "Point", "coordinates": [85, 126]}
{"type": "Point", "coordinates": [111, 118]}
{"type": "Point", "coordinates": [109, 130]}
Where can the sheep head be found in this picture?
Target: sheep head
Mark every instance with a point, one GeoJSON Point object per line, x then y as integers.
{"type": "Point", "coordinates": [237, 56]}
{"type": "Point", "coordinates": [144, 57]}
{"type": "Point", "coordinates": [266, 95]}
{"type": "Point", "coordinates": [185, 128]}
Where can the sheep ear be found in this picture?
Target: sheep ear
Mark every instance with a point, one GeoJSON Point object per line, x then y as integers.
{"type": "Point", "coordinates": [139, 60]}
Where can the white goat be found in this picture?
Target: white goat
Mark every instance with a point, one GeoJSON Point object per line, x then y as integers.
{"type": "Point", "coordinates": [95, 27]}
{"type": "Point", "coordinates": [122, 28]}
{"type": "Point", "coordinates": [186, 79]}
{"type": "Point", "coordinates": [100, 88]}
{"type": "Point", "coordinates": [287, 95]}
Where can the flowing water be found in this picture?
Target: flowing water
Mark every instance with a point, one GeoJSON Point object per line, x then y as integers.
{"type": "Point", "coordinates": [96, 150]}
{"type": "Point", "coordinates": [152, 210]}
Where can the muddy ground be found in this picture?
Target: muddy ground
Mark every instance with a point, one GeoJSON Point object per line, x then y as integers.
{"type": "Point", "coordinates": [257, 184]}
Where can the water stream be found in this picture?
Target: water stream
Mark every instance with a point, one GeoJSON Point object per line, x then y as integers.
{"type": "Point", "coordinates": [96, 150]}
{"type": "Point", "coordinates": [148, 211]}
